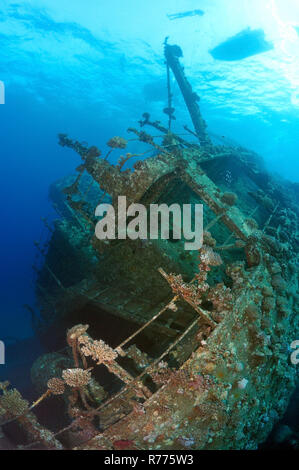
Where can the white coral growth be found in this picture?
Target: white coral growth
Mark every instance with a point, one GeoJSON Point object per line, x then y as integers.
{"type": "Point", "coordinates": [97, 350]}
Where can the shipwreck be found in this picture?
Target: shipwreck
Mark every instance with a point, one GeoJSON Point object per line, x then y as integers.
{"type": "Point", "coordinates": [165, 348]}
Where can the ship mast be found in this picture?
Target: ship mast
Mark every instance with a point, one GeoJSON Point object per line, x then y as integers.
{"type": "Point", "coordinates": [172, 55]}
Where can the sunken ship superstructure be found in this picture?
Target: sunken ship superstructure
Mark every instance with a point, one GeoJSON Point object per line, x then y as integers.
{"type": "Point", "coordinates": [153, 346]}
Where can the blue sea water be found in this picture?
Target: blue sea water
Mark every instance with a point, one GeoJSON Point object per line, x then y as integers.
{"type": "Point", "coordinates": [90, 69]}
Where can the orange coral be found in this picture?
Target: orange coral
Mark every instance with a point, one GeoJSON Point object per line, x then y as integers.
{"type": "Point", "coordinates": [56, 386]}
